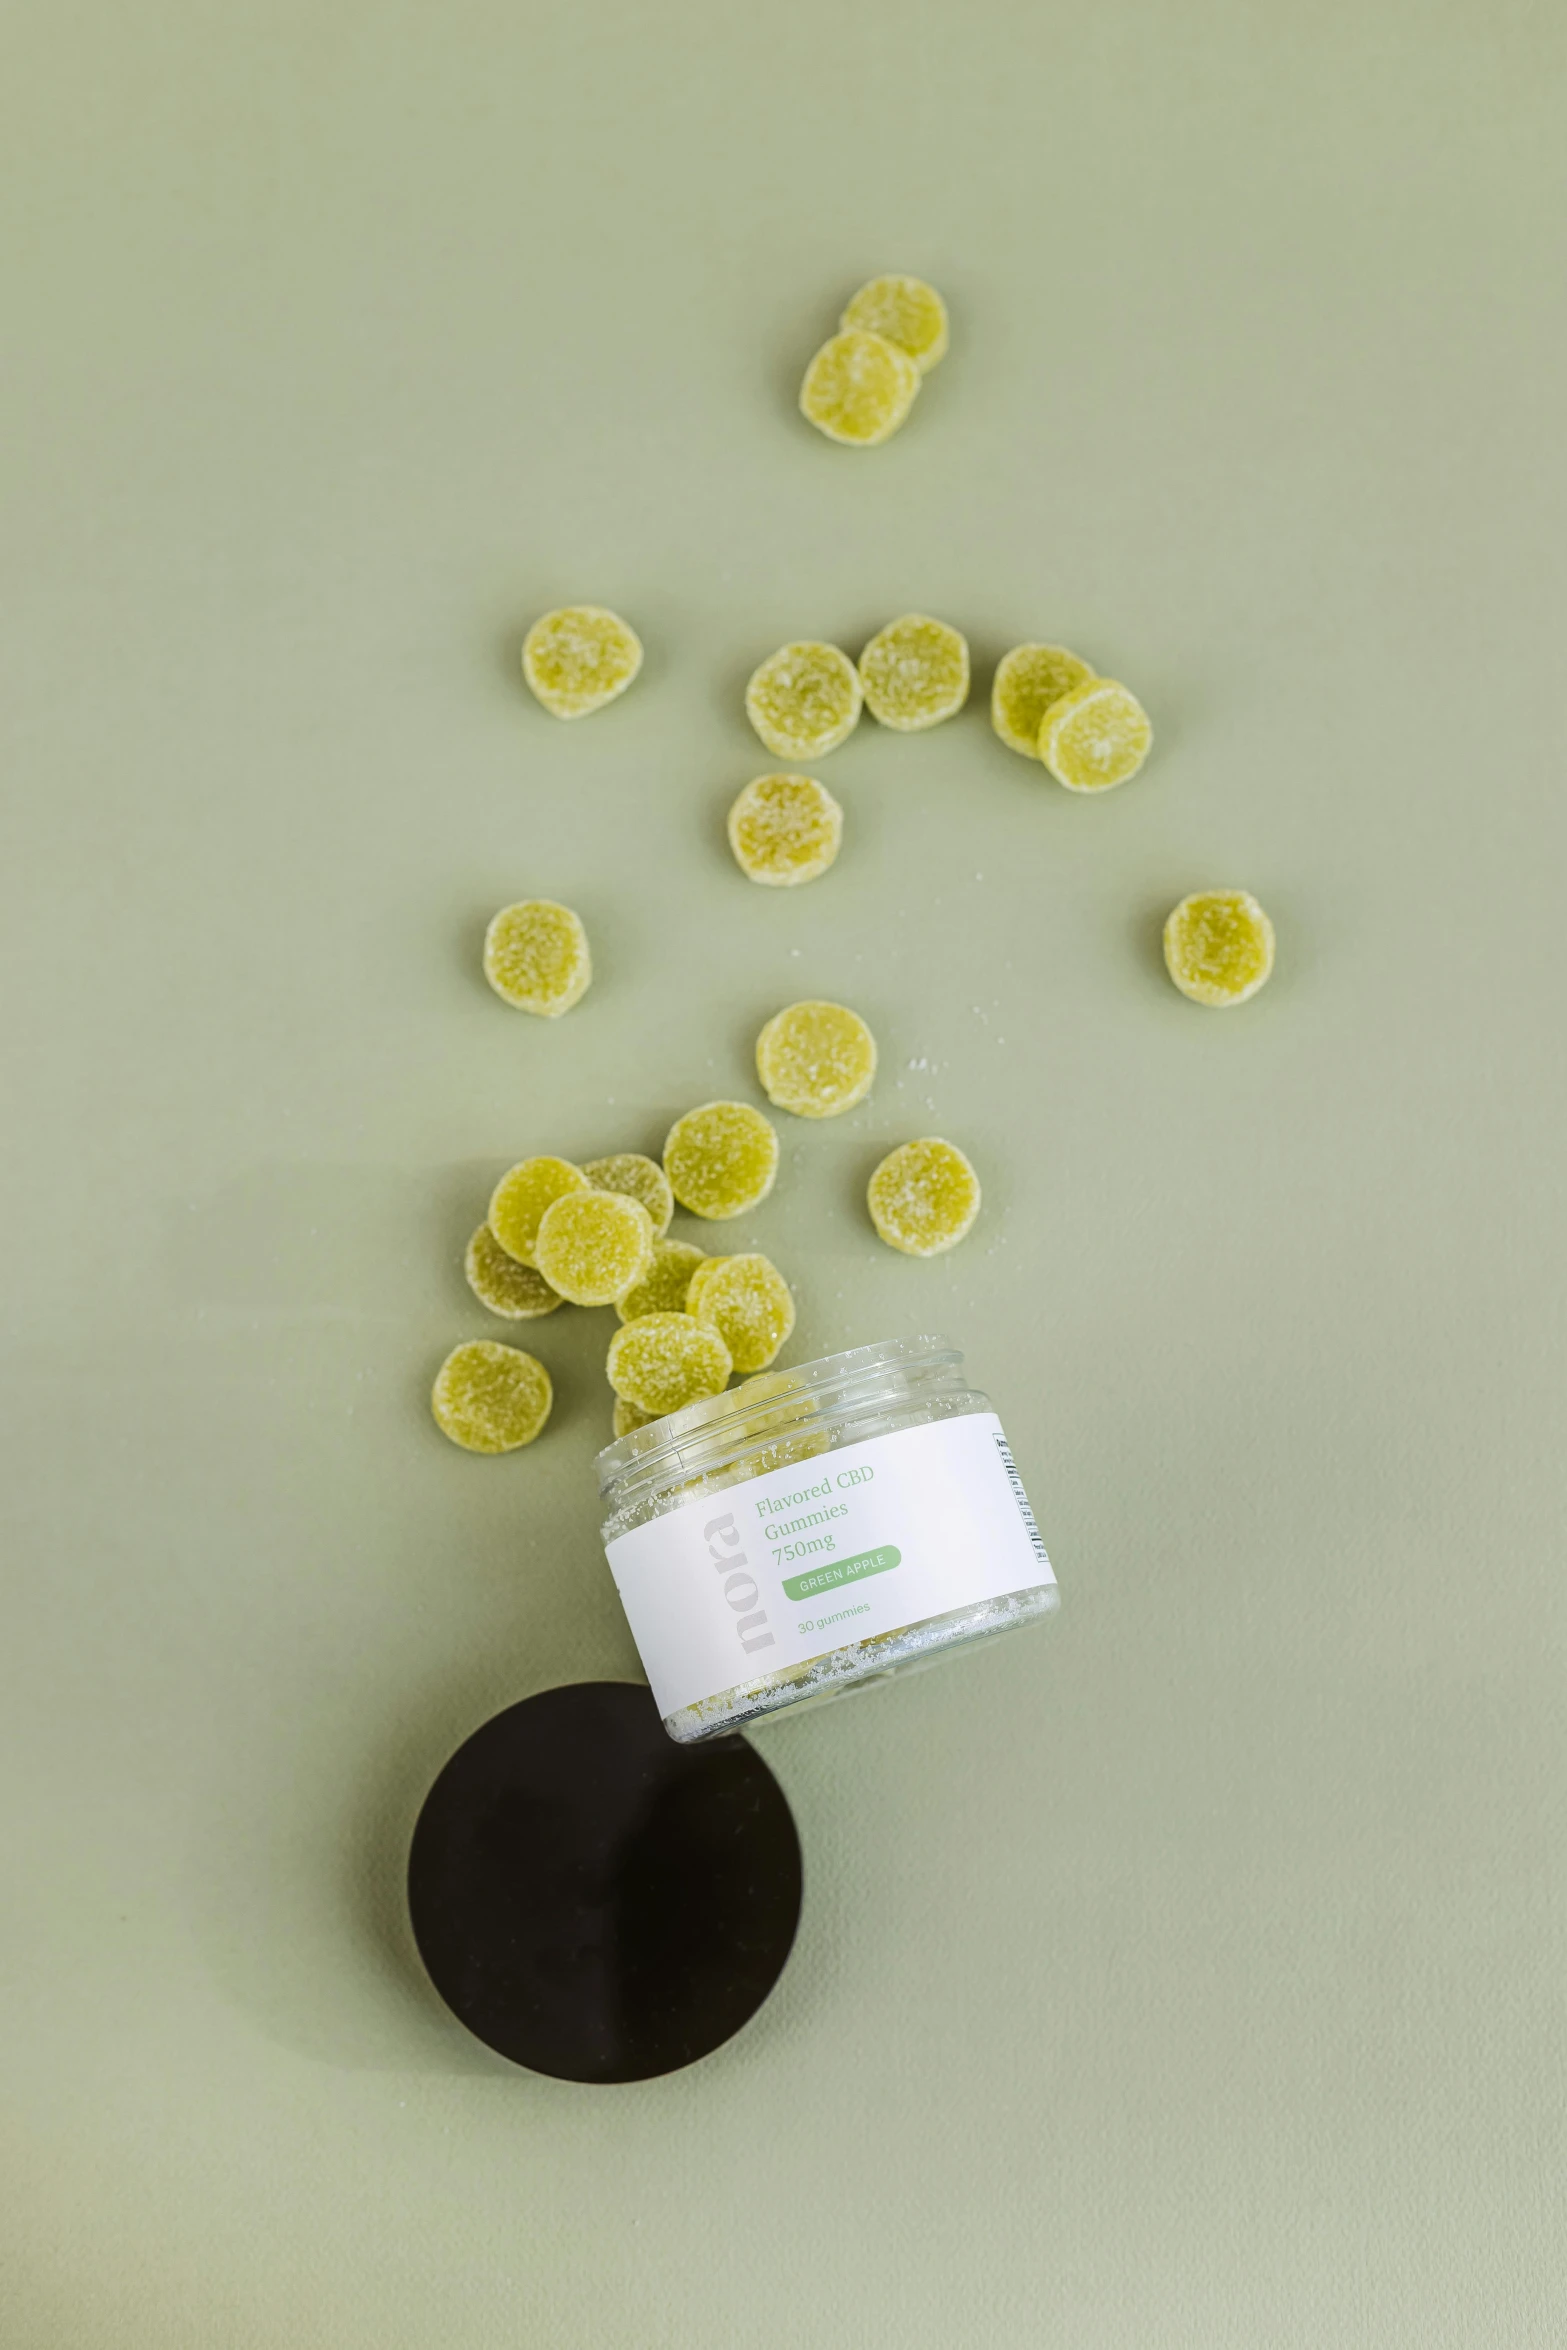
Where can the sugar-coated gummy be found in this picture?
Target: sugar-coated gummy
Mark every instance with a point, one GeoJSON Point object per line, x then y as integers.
{"type": "Point", "coordinates": [579, 658]}
{"type": "Point", "coordinates": [639, 1177]}
{"type": "Point", "coordinates": [904, 311]}
{"type": "Point", "coordinates": [1030, 680]}
{"type": "Point", "coordinates": [721, 1159]}
{"type": "Point", "coordinates": [923, 1197]}
{"type": "Point", "coordinates": [491, 1398]}
{"type": "Point", "coordinates": [519, 1200]}
{"type": "Point", "coordinates": [804, 700]}
{"type": "Point", "coordinates": [518, 1293]}
{"type": "Point", "coordinates": [662, 1362]}
{"type": "Point", "coordinates": [1096, 736]}
{"type": "Point", "coordinates": [627, 1418]}
{"type": "Point", "coordinates": [785, 829]}
{"type": "Point", "coordinates": [816, 1060]}
{"type": "Point", "coordinates": [751, 1306]}
{"type": "Point", "coordinates": [592, 1246]}
{"type": "Point", "coordinates": [664, 1287]}
{"type": "Point", "coordinates": [536, 956]}
{"type": "Point", "coordinates": [1218, 947]}
{"type": "Point", "coordinates": [859, 388]}
{"type": "Point", "coordinates": [914, 673]}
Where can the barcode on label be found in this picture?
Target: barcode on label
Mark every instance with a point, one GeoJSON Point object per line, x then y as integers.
{"type": "Point", "coordinates": [1021, 1498]}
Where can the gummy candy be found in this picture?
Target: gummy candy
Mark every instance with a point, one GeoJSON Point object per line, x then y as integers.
{"type": "Point", "coordinates": [784, 829]}
{"type": "Point", "coordinates": [640, 1178]}
{"type": "Point", "coordinates": [661, 1362]}
{"type": "Point", "coordinates": [1030, 680]}
{"type": "Point", "coordinates": [1096, 736]}
{"type": "Point", "coordinates": [491, 1398]}
{"type": "Point", "coordinates": [518, 1293]}
{"type": "Point", "coordinates": [592, 1245]}
{"type": "Point", "coordinates": [859, 388]}
{"type": "Point", "coordinates": [663, 1287]}
{"type": "Point", "coordinates": [816, 1060]}
{"type": "Point", "coordinates": [749, 1303]}
{"type": "Point", "coordinates": [904, 311]}
{"type": "Point", "coordinates": [804, 700]}
{"type": "Point", "coordinates": [700, 1275]}
{"type": "Point", "coordinates": [914, 673]}
{"type": "Point", "coordinates": [1218, 946]}
{"type": "Point", "coordinates": [721, 1159]}
{"type": "Point", "coordinates": [628, 1417]}
{"type": "Point", "coordinates": [579, 658]}
{"type": "Point", "coordinates": [923, 1197]}
{"type": "Point", "coordinates": [536, 956]}
{"type": "Point", "coordinates": [519, 1200]}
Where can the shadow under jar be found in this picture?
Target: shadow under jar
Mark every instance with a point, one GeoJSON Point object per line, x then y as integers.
{"type": "Point", "coordinates": [817, 1530]}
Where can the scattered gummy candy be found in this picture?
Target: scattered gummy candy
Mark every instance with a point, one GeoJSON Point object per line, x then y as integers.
{"type": "Point", "coordinates": [904, 311]}
{"type": "Point", "coordinates": [518, 1293]}
{"type": "Point", "coordinates": [859, 388]}
{"type": "Point", "coordinates": [1030, 680]}
{"type": "Point", "coordinates": [536, 956]}
{"type": "Point", "coordinates": [1096, 736]}
{"type": "Point", "coordinates": [816, 1059]}
{"type": "Point", "coordinates": [721, 1160]}
{"type": "Point", "coordinates": [661, 1362]}
{"type": "Point", "coordinates": [1218, 946]}
{"type": "Point", "coordinates": [640, 1178]}
{"type": "Point", "coordinates": [914, 673]}
{"type": "Point", "coordinates": [749, 1303]}
{"type": "Point", "coordinates": [592, 1245]}
{"type": "Point", "coordinates": [663, 1287]}
{"type": "Point", "coordinates": [519, 1200]}
{"type": "Point", "coordinates": [579, 658]}
{"type": "Point", "coordinates": [804, 700]}
{"type": "Point", "coordinates": [491, 1398]}
{"type": "Point", "coordinates": [628, 1418]}
{"type": "Point", "coordinates": [784, 829]}
{"type": "Point", "coordinates": [923, 1197]}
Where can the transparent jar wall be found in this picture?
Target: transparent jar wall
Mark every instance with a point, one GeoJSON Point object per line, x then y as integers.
{"type": "Point", "coordinates": [772, 1422]}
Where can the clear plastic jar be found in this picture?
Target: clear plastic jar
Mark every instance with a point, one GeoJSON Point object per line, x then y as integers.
{"type": "Point", "coordinates": [817, 1530]}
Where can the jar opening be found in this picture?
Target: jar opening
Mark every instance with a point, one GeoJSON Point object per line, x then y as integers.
{"type": "Point", "coordinates": [763, 1409]}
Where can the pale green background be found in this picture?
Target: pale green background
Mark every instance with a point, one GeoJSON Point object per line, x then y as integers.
{"type": "Point", "coordinates": [1189, 1974]}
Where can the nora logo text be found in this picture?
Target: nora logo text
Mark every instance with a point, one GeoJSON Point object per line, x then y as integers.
{"type": "Point", "coordinates": [722, 1537]}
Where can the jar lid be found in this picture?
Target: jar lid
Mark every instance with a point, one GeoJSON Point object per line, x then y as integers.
{"type": "Point", "coordinates": [593, 1900]}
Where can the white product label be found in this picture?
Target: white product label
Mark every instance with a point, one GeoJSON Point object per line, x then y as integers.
{"type": "Point", "coordinates": [789, 1566]}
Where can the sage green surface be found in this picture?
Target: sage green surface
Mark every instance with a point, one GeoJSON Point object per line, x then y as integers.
{"type": "Point", "coordinates": [1187, 1975]}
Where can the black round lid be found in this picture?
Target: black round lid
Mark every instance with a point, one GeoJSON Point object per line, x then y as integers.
{"type": "Point", "coordinates": [595, 1901]}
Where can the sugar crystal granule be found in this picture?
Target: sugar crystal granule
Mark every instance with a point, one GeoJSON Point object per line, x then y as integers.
{"type": "Point", "coordinates": [914, 673]}
{"type": "Point", "coordinates": [859, 388]}
{"type": "Point", "coordinates": [721, 1159]}
{"type": "Point", "coordinates": [519, 1200]}
{"type": "Point", "coordinates": [592, 1246]}
{"type": "Point", "coordinates": [579, 658]}
{"type": "Point", "coordinates": [639, 1177]}
{"type": "Point", "coordinates": [1030, 680]}
{"type": "Point", "coordinates": [662, 1362]}
{"type": "Point", "coordinates": [785, 829]}
{"type": "Point", "coordinates": [904, 311]}
{"type": "Point", "coordinates": [923, 1197]}
{"type": "Point", "coordinates": [491, 1398]}
{"type": "Point", "coordinates": [804, 700]}
{"type": "Point", "coordinates": [1096, 736]}
{"type": "Point", "coordinates": [751, 1306]}
{"type": "Point", "coordinates": [663, 1288]}
{"type": "Point", "coordinates": [816, 1059]}
{"type": "Point", "coordinates": [536, 956]}
{"type": "Point", "coordinates": [518, 1293]}
{"type": "Point", "coordinates": [1218, 946]}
